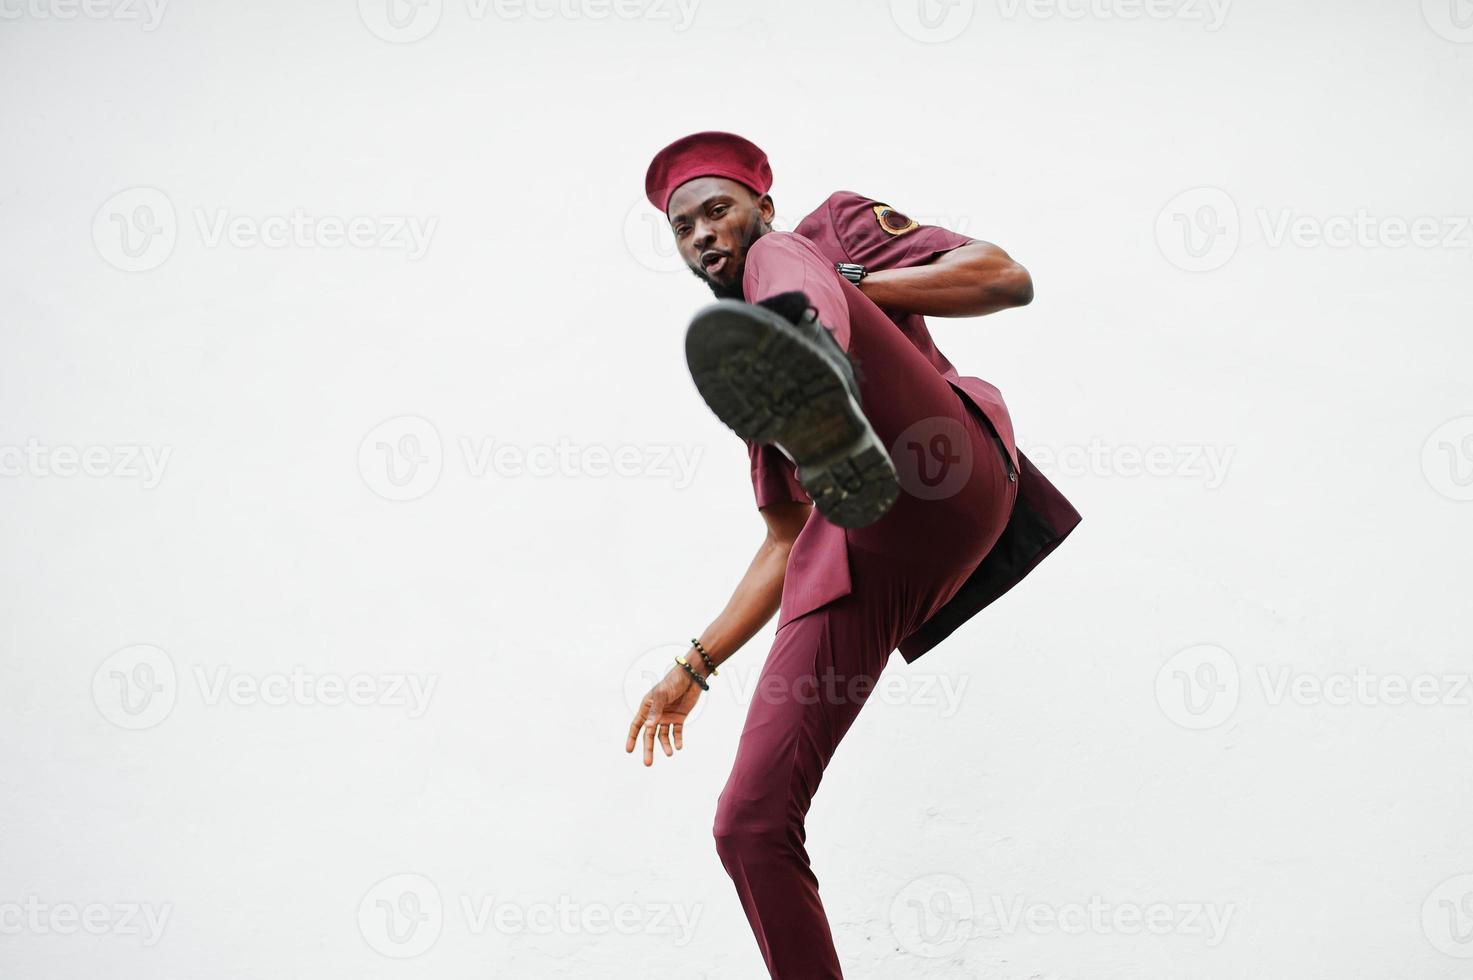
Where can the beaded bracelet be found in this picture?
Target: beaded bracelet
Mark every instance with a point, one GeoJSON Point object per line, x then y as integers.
{"type": "Point", "coordinates": [710, 664]}
{"type": "Point", "coordinates": [692, 671]}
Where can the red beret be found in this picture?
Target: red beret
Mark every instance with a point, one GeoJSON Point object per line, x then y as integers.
{"type": "Point", "coordinates": [708, 154]}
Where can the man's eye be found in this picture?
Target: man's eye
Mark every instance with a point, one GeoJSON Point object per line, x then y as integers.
{"type": "Point", "coordinates": [718, 211]}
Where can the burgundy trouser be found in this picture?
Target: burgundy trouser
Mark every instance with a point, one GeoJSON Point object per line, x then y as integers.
{"type": "Point", "coordinates": [956, 498]}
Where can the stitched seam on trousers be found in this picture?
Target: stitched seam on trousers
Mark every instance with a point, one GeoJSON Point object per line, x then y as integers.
{"type": "Point", "coordinates": [802, 733]}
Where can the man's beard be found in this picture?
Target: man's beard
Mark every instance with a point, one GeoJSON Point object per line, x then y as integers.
{"type": "Point", "coordinates": [734, 291]}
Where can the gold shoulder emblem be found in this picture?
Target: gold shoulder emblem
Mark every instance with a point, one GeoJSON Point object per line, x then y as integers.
{"type": "Point", "coordinates": [893, 222]}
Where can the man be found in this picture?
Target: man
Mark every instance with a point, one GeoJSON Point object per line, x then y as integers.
{"type": "Point", "coordinates": [817, 354]}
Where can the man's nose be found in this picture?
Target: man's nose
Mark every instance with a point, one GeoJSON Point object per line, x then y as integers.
{"type": "Point", "coordinates": [703, 237]}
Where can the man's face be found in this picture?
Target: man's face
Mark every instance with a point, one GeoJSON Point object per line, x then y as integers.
{"type": "Point", "coordinates": [715, 221]}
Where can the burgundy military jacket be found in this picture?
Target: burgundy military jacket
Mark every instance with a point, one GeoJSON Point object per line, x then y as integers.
{"type": "Point", "coordinates": [849, 227]}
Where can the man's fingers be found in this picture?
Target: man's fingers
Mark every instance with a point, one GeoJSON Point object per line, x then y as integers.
{"type": "Point", "coordinates": [634, 726]}
{"type": "Point", "coordinates": [647, 718]}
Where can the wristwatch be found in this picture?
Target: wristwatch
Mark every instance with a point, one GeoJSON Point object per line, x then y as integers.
{"type": "Point", "coordinates": [850, 271]}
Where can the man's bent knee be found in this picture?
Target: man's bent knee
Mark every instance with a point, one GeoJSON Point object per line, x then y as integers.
{"type": "Point", "coordinates": [745, 829]}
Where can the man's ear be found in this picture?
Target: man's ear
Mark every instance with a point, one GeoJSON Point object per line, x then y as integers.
{"type": "Point", "coordinates": [768, 209]}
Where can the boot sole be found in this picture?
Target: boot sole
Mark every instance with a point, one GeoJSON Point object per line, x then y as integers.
{"type": "Point", "coordinates": [769, 384]}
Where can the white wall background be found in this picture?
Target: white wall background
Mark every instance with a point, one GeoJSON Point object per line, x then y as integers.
{"type": "Point", "coordinates": [1114, 734]}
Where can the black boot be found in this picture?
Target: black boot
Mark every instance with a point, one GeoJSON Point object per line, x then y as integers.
{"type": "Point", "coordinates": [774, 374]}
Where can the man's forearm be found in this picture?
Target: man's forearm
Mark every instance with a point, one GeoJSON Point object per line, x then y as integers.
{"type": "Point", "coordinates": [971, 280]}
{"type": "Point", "coordinates": [754, 601]}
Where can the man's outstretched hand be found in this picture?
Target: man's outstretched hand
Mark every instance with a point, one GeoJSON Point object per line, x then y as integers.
{"type": "Point", "coordinates": [663, 711]}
